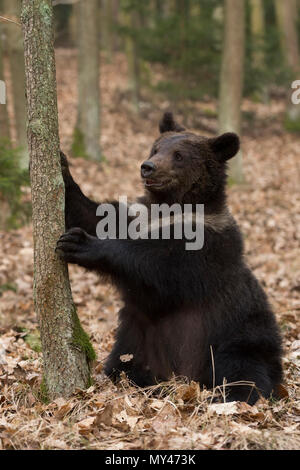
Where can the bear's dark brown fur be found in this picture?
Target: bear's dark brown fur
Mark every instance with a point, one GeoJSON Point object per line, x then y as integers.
{"type": "Point", "coordinates": [199, 314]}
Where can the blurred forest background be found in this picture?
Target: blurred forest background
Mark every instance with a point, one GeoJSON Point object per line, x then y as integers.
{"type": "Point", "coordinates": [219, 65]}
{"type": "Point", "coordinates": [175, 53]}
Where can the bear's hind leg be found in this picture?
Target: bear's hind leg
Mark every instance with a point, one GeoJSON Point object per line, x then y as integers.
{"type": "Point", "coordinates": [244, 379]}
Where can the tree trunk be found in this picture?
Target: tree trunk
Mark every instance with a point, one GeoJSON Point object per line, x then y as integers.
{"type": "Point", "coordinates": [131, 20]}
{"type": "Point", "coordinates": [66, 348]}
{"type": "Point", "coordinates": [159, 9]}
{"type": "Point", "coordinates": [182, 12]}
{"type": "Point", "coordinates": [166, 7]}
{"type": "Point", "coordinates": [87, 133]}
{"type": "Point", "coordinates": [73, 26]}
{"type": "Point", "coordinates": [115, 22]}
{"type": "Point", "coordinates": [287, 15]}
{"type": "Point", "coordinates": [14, 43]}
{"type": "Point", "coordinates": [232, 78]}
{"type": "Point", "coordinates": [279, 16]}
{"type": "Point", "coordinates": [258, 32]}
{"type": "Point", "coordinates": [106, 28]}
{"type": "Point", "coordinates": [4, 121]}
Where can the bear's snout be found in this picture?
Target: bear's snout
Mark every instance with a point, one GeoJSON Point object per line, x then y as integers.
{"type": "Point", "coordinates": [147, 169]}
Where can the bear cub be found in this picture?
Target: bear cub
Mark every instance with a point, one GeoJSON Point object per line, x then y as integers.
{"type": "Point", "coordinates": [199, 314]}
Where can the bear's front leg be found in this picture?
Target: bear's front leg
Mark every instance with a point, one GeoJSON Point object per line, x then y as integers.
{"type": "Point", "coordinates": [80, 211]}
{"type": "Point", "coordinates": [67, 177]}
{"type": "Point", "coordinates": [78, 247]}
{"type": "Point", "coordinates": [128, 353]}
{"type": "Point", "coordinates": [136, 373]}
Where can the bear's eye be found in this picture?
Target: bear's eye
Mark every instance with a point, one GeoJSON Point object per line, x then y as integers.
{"type": "Point", "coordinates": [178, 157]}
{"type": "Point", "coordinates": [154, 151]}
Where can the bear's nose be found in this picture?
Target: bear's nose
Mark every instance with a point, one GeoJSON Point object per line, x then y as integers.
{"type": "Point", "coordinates": [147, 168]}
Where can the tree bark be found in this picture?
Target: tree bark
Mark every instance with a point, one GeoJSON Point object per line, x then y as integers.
{"type": "Point", "coordinates": [287, 14]}
{"type": "Point", "coordinates": [182, 11]}
{"type": "Point", "coordinates": [87, 133]}
{"type": "Point", "coordinates": [279, 16]}
{"type": "Point", "coordinates": [73, 26]}
{"type": "Point", "coordinates": [232, 78]}
{"type": "Point", "coordinates": [4, 120]}
{"type": "Point", "coordinates": [66, 348]}
{"type": "Point", "coordinates": [115, 22]}
{"type": "Point", "coordinates": [131, 20]}
{"type": "Point", "coordinates": [106, 28]}
{"type": "Point", "coordinates": [258, 32]}
{"type": "Point", "coordinates": [15, 50]}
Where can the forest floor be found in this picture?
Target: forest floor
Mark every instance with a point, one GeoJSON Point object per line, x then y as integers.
{"type": "Point", "coordinates": [124, 417]}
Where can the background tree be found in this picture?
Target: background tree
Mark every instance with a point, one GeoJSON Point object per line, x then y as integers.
{"type": "Point", "coordinates": [14, 211]}
{"type": "Point", "coordinates": [258, 48]}
{"type": "Point", "coordinates": [131, 18]}
{"type": "Point", "coordinates": [257, 22]}
{"type": "Point", "coordinates": [4, 120]}
{"type": "Point", "coordinates": [66, 348]}
{"type": "Point", "coordinates": [182, 8]}
{"type": "Point", "coordinates": [231, 78]}
{"type": "Point", "coordinates": [287, 16]}
{"type": "Point", "coordinates": [107, 7]}
{"type": "Point", "coordinates": [87, 133]}
{"type": "Point", "coordinates": [115, 24]}
{"type": "Point", "coordinates": [14, 44]}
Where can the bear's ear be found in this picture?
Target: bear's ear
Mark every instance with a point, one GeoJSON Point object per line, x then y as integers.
{"type": "Point", "coordinates": [168, 124]}
{"type": "Point", "coordinates": [225, 146]}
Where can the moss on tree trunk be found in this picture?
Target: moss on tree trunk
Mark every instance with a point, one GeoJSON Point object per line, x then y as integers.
{"type": "Point", "coordinates": [67, 351]}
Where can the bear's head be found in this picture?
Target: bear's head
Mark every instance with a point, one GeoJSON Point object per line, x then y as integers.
{"type": "Point", "coordinates": [189, 167]}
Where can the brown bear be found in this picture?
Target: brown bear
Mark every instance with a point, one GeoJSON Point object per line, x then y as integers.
{"type": "Point", "coordinates": [201, 313]}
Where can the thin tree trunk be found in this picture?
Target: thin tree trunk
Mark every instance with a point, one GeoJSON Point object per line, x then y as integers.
{"type": "Point", "coordinates": [4, 120]}
{"type": "Point", "coordinates": [66, 348]}
{"type": "Point", "coordinates": [87, 135]}
{"type": "Point", "coordinates": [15, 50]}
{"type": "Point", "coordinates": [232, 77]}
{"type": "Point", "coordinates": [287, 14]}
{"type": "Point", "coordinates": [131, 20]}
{"type": "Point", "coordinates": [115, 22]}
{"type": "Point", "coordinates": [182, 11]}
{"type": "Point", "coordinates": [167, 6]}
{"type": "Point", "coordinates": [258, 32]}
{"type": "Point", "coordinates": [106, 27]}
{"type": "Point", "coordinates": [279, 16]}
{"type": "Point", "coordinates": [73, 26]}
{"type": "Point", "coordinates": [159, 9]}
